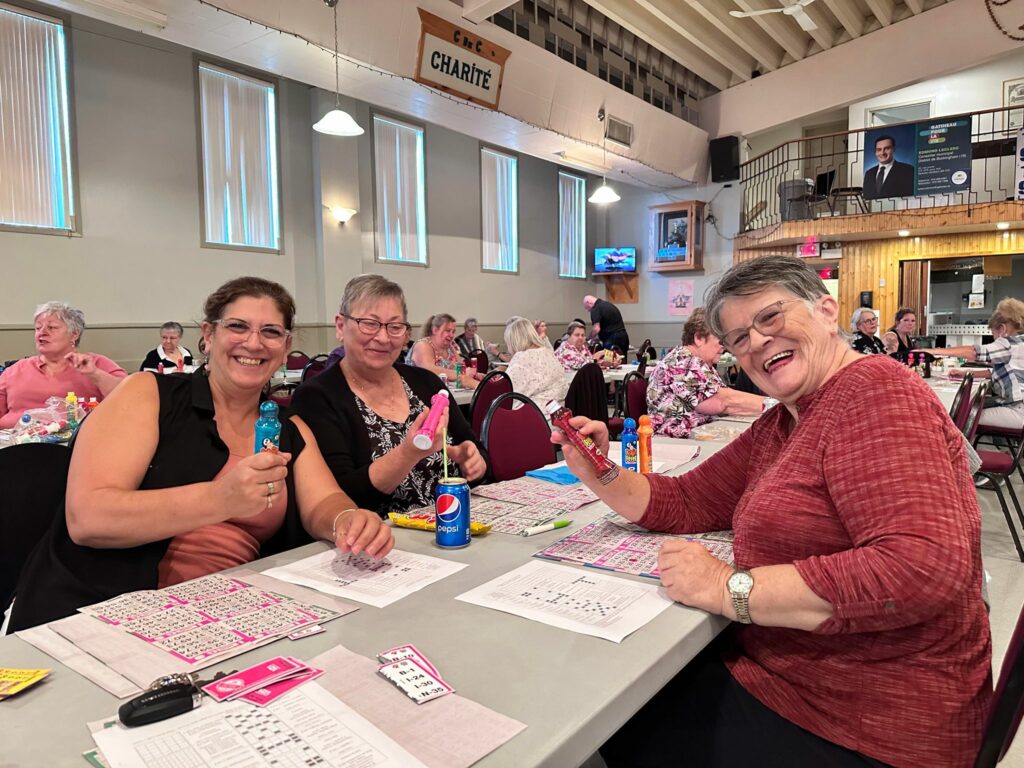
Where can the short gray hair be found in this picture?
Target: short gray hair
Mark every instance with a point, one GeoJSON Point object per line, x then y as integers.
{"type": "Point", "coordinates": [373, 288]}
{"type": "Point", "coordinates": [573, 326]}
{"type": "Point", "coordinates": [172, 326]}
{"type": "Point", "coordinates": [73, 318]}
{"type": "Point", "coordinates": [855, 320]}
{"type": "Point", "coordinates": [520, 334]}
{"type": "Point", "coordinates": [750, 277]}
{"type": "Point", "coordinates": [470, 321]}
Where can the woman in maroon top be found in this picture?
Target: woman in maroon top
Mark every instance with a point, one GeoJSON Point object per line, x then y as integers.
{"type": "Point", "coordinates": [857, 551]}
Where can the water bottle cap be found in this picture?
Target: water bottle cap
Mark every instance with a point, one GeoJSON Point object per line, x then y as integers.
{"type": "Point", "coordinates": [268, 408]}
{"type": "Point", "coordinates": [629, 424]}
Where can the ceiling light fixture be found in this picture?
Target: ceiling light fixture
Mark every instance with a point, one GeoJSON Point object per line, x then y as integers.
{"type": "Point", "coordinates": [904, 233]}
{"type": "Point", "coordinates": [604, 194]}
{"type": "Point", "coordinates": [583, 165]}
{"type": "Point", "coordinates": [131, 10]}
{"type": "Point", "coordinates": [337, 122]}
{"type": "Point", "coordinates": [1002, 225]}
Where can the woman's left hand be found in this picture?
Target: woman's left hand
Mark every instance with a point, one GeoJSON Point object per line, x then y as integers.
{"type": "Point", "coordinates": [467, 456]}
{"type": "Point", "coordinates": [83, 362]}
{"type": "Point", "coordinates": [360, 530]}
{"type": "Point", "coordinates": [693, 576]}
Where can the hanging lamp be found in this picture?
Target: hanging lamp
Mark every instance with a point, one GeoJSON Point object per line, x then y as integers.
{"type": "Point", "coordinates": [337, 122]}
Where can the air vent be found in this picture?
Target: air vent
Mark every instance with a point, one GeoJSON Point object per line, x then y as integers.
{"type": "Point", "coordinates": [618, 131]}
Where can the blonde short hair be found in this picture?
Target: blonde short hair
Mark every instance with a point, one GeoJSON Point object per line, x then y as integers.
{"type": "Point", "coordinates": [1008, 312]}
{"type": "Point", "coordinates": [520, 334]}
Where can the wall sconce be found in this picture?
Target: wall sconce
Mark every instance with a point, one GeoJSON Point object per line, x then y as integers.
{"type": "Point", "coordinates": [341, 215]}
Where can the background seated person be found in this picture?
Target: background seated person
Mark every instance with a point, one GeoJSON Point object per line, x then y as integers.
{"type": "Point", "coordinates": [437, 352]}
{"type": "Point", "coordinates": [365, 411]}
{"type": "Point", "coordinates": [534, 370]}
{"type": "Point", "coordinates": [164, 485]}
{"type": "Point", "coordinates": [469, 341]}
{"type": "Point", "coordinates": [169, 353]}
{"type": "Point", "coordinates": [684, 390]}
{"type": "Point", "coordinates": [851, 596]}
{"type": "Point", "coordinates": [57, 368]}
{"type": "Point", "coordinates": [904, 327]}
{"type": "Point", "coordinates": [573, 353]}
{"type": "Point", "coordinates": [1006, 355]}
{"type": "Point", "coordinates": [864, 326]}
{"type": "Point", "coordinates": [541, 327]}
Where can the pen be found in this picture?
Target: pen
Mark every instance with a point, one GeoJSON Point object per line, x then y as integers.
{"type": "Point", "coordinates": [545, 528]}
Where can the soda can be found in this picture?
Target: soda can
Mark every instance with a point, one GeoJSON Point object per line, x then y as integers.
{"type": "Point", "coordinates": [451, 511]}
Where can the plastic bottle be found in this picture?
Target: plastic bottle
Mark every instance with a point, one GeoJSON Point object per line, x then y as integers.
{"type": "Point", "coordinates": [645, 437]}
{"type": "Point", "coordinates": [71, 401]}
{"type": "Point", "coordinates": [268, 428]}
{"type": "Point", "coordinates": [471, 368]}
{"type": "Point", "coordinates": [424, 437]}
{"type": "Point", "coordinates": [160, 367]}
{"type": "Point", "coordinates": [630, 445]}
{"type": "Point", "coordinates": [458, 374]}
{"type": "Point", "coordinates": [605, 469]}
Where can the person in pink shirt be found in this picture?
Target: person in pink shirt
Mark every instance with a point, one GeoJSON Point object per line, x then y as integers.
{"type": "Point", "coordinates": [59, 367]}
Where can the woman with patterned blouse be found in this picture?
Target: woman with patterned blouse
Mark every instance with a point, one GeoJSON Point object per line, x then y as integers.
{"type": "Point", "coordinates": [684, 390]}
{"type": "Point", "coordinates": [365, 410]}
{"type": "Point", "coordinates": [437, 351]}
{"type": "Point", "coordinates": [864, 325]}
{"type": "Point", "coordinates": [573, 353]}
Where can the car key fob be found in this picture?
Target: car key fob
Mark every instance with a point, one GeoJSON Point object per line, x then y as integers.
{"type": "Point", "coordinates": [159, 704]}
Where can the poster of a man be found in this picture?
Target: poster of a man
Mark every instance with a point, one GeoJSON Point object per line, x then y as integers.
{"type": "Point", "coordinates": [884, 174]}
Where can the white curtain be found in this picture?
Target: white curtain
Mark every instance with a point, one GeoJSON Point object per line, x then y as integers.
{"type": "Point", "coordinates": [572, 226]}
{"type": "Point", "coordinates": [401, 206]}
{"type": "Point", "coordinates": [35, 158]}
{"type": "Point", "coordinates": [499, 200]}
{"type": "Point", "coordinates": [239, 126]}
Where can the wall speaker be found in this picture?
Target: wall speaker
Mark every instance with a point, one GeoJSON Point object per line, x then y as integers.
{"type": "Point", "coordinates": [725, 158]}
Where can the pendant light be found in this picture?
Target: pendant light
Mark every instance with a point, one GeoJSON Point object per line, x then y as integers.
{"type": "Point", "coordinates": [604, 194]}
{"type": "Point", "coordinates": [337, 122]}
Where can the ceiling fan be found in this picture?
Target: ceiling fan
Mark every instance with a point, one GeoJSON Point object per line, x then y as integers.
{"type": "Point", "coordinates": [794, 8]}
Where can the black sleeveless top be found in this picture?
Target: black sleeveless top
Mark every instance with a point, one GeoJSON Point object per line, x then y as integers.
{"type": "Point", "coordinates": [60, 576]}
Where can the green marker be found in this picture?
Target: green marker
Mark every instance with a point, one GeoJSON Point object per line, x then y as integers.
{"type": "Point", "coordinates": [545, 528]}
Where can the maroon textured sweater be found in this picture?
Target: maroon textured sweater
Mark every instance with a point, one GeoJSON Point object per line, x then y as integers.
{"type": "Point", "coordinates": [869, 496]}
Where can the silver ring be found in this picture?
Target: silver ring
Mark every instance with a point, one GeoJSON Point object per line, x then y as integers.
{"type": "Point", "coordinates": [270, 488]}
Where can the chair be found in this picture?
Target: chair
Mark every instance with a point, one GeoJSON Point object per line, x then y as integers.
{"type": "Point", "coordinates": [316, 365]}
{"type": "Point", "coordinates": [816, 195]}
{"type": "Point", "coordinates": [492, 386]}
{"type": "Point", "coordinates": [961, 402]}
{"type": "Point", "coordinates": [282, 395]}
{"type": "Point", "coordinates": [587, 396]}
{"type": "Point", "coordinates": [641, 369]}
{"type": "Point", "coordinates": [516, 439]}
{"type": "Point", "coordinates": [1007, 705]}
{"type": "Point", "coordinates": [296, 360]}
{"type": "Point", "coordinates": [848, 193]}
{"type": "Point", "coordinates": [35, 477]}
{"type": "Point", "coordinates": [635, 387]}
{"type": "Point", "coordinates": [646, 351]}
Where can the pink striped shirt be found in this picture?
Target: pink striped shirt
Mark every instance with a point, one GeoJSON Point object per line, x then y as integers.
{"type": "Point", "coordinates": [26, 385]}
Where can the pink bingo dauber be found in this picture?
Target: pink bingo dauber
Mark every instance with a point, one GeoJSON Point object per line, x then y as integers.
{"type": "Point", "coordinates": [424, 438]}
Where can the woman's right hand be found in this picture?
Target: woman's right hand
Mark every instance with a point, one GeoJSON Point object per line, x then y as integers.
{"type": "Point", "coordinates": [596, 431]}
{"type": "Point", "coordinates": [244, 491]}
{"type": "Point", "coordinates": [416, 455]}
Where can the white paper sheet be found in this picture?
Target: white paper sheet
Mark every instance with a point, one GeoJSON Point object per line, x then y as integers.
{"type": "Point", "coordinates": [375, 582]}
{"type": "Point", "coordinates": [309, 726]}
{"type": "Point", "coordinates": [569, 598]}
{"type": "Point", "coordinates": [89, 667]}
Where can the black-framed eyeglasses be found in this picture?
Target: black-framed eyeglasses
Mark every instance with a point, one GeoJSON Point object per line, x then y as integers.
{"type": "Point", "coordinates": [372, 327]}
{"type": "Point", "coordinates": [271, 334]}
{"type": "Point", "coordinates": [768, 321]}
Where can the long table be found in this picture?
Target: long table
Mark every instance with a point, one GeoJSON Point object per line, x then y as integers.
{"type": "Point", "coordinates": [573, 691]}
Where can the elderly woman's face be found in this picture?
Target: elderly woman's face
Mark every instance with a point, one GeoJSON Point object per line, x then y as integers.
{"type": "Point", "coordinates": [790, 350]}
{"type": "Point", "coordinates": [577, 338]}
{"type": "Point", "coordinates": [169, 340]}
{"type": "Point", "coordinates": [52, 336]}
{"type": "Point", "coordinates": [868, 323]}
{"type": "Point", "coordinates": [708, 348]}
{"type": "Point", "coordinates": [444, 336]}
{"type": "Point", "coordinates": [907, 323]}
{"type": "Point", "coordinates": [375, 350]}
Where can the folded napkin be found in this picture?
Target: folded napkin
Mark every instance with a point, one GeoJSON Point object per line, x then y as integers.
{"type": "Point", "coordinates": [560, 475]}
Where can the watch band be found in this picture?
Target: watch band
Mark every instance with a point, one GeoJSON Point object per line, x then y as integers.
{"type": "Point", "coordinates": [741, 604]}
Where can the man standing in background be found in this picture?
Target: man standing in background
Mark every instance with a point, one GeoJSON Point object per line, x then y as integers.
{"type": "Point", "coordinates": [606, 324]}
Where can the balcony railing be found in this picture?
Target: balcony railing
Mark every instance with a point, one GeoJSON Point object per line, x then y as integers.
{"type": "Point", "coordinates": [823, 175]}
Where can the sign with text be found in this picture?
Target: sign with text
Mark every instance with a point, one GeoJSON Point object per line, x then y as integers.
{"type": "Point", "coordinates": [944, 156]}
{"type": "Point", "coordinates": [459, 61]}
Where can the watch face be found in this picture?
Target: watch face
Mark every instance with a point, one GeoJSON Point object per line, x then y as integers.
{"type": "Point", "coordinates": [741, 582]}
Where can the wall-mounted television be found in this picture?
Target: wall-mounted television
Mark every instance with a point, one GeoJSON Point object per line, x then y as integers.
{"type": "Point", "coordinates": [611, 261]}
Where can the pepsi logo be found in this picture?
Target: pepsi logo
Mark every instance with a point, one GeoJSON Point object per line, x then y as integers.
{"type": "Point", "coordinates": [448, 508]}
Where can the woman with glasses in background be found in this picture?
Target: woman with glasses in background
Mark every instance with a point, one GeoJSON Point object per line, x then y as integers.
{"type": "Point", "coordinates": [855, 601]}
{"type": "Point", "coordinates": [165, 486]}
{"type": "Point", "coordinates": [366, 410]}
{"type": "Point", "coordinates": [864, 325]}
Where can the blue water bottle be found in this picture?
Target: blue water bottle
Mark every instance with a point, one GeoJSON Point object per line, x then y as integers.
{"type": "Point", "coordinates": [268, 428]}
{"type": "Point", "coordinates": [630, 445]}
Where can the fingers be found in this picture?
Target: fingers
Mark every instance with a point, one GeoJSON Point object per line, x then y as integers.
{"type": "Point", "coordinates": [267, 460]}
{"type": "Point", "coordinates": [418, 421]}
{"type": "Point", "coordinates": [382, 543]}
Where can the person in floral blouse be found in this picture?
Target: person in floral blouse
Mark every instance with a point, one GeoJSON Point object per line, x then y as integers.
{"type": "Point", "coordinates": [573, 353]}
{"type": "Point", "coordinates": [684, 390]}
{"type": "Point", "coordinates": [438, 353]}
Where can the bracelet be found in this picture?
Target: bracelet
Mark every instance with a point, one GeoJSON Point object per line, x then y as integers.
{"type": "Point", "coordinates": [334, 525]}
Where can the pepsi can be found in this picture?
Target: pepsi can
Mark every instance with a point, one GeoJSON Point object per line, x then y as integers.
{"type": "Point", "coordinates": [451, 510]}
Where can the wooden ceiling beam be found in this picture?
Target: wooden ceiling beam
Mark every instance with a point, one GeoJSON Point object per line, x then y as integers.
{"type": "Point", "coordinates": [848, 15]}
{"type": "Point", "coordinates": [780, 30]}
{"type": "Point", "coordinates": [766, 52]}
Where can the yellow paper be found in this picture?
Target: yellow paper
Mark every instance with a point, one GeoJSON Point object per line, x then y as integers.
{"type": "Point", "coordinates": [424, 524]}
{"type": "Point", "coordinates": [14, 681]}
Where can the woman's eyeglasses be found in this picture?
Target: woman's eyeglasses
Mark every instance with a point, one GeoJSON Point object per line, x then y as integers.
{"type": "Point", "coordinates": [372, 327]}
{"type": "Point", "coordinates": [767, 322]}
{"type": "Point", "coordinates": [240, 330]}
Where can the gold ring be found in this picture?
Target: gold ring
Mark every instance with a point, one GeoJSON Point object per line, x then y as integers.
{"type": "Point", "coordinates": [270, 488]}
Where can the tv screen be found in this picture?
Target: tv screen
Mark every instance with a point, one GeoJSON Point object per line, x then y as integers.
{"type": "Point", "coordinates": [614, 260]}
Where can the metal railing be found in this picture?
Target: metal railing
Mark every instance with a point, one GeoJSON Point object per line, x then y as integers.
{"type": "Point", "coordinates": [823, 175]}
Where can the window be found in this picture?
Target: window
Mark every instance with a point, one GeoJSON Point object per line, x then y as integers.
{"type": "Point", "coordinates": [400, 193]}
{"type": "Point", "coordinates": [901, 113]}
{"type": "Point", "coordinates": [572, 226]}
{"type": "Point", "coordinates": [499, 205]}
{"type": "Point", "coordinates": [35, 134]}
{"type": "Point", "coordinates": [238, 116]}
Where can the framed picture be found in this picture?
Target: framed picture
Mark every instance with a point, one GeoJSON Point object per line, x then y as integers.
{"type": "Point", "coordinates": [674, 234]}
{"type": "Point", "coordinates": [1013, 96]}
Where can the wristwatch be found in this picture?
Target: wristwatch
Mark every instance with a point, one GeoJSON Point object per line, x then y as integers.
{"type": "Point", "coordinates": [740, 584]}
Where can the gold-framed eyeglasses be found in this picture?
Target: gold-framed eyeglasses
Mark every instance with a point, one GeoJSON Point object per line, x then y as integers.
{"type": "Point", "coordinates": [240, 330]}
{"type": "Point", "coordinates": [768, 321]}
{"type": "Point", "coordinates": [372, 327]}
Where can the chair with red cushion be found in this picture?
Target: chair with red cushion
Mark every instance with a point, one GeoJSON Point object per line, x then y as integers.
{"type": "Point", "coordinates": [482, 362]}
{"type": "Point", "coordinates": [517, 439]}
{"type": "Point", "coordinates": [282, 395]}
{"type": "Point", "coordinates": [296, 360]}
{"type": "Point", "coordinates": [492, 386]}
{"type": "Point", "coordinates": [315, 366]}
{"type": "Point", "coordinates": [635, 387]}
{"type": "Point", "coordinates": [1008, 704]}
{"type": "Point", "coordinates": [961, 401]}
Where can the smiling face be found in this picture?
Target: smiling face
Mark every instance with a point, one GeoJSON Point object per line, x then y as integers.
{"type": "Point", "coordinates": [868, 323]}
{"type": "Point", "coordinates": [52, 337]}
{"type": "Point", "coordinates": [169, 341]}
{"type": "Point", "coordinates": [245, 361]}
{"type": "Point", "coordinates": [442, 337]}
{"type": "Point", "coordinates": [883, 151]}
{"type": "Point", "coordinates": [368, 352]}
{"type": "Point", "coordinates": [907, 324]}
{"type": "Point", "coordinates": [798, 357]}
